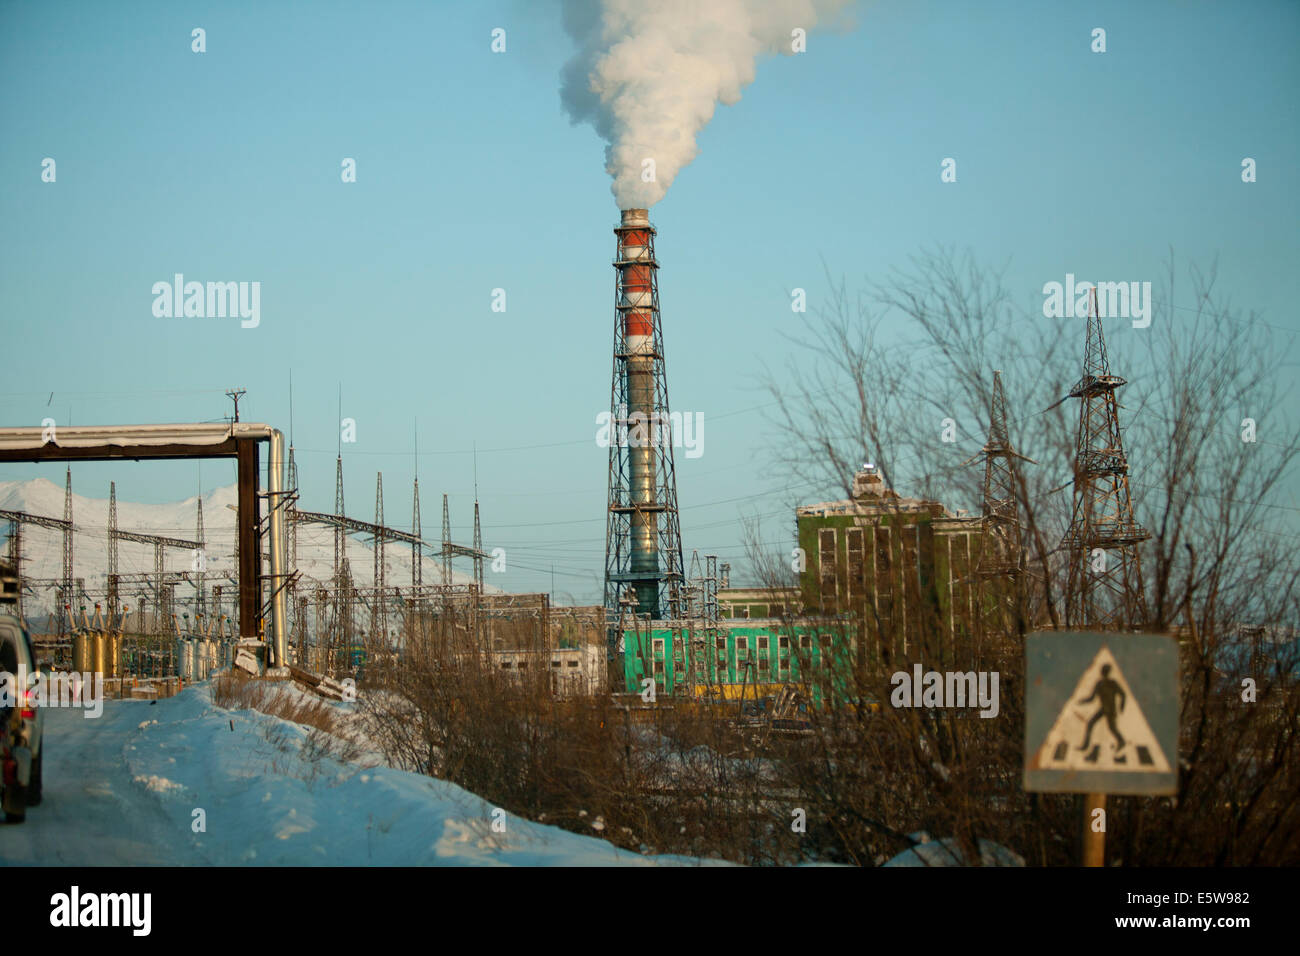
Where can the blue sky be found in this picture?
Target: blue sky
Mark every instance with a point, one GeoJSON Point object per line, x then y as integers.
{"type": "Point", "coordinates": [225, 166]}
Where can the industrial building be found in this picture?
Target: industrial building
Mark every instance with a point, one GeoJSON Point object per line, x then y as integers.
{"type": "Point", "coordinates": [883, 577]}
{"type": "Point", "coordinates": [524, 634]}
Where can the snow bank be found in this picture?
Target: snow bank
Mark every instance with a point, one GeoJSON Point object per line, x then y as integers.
{"type": "Point", "coordinates": [268, 799]}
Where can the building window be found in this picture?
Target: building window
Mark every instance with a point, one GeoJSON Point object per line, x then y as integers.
{"type": "Point", "coordinates": [826, 561]}
{"type": "Point", "coordinates": [762, 664]}
{"type": "Point", "coordinates": [573, 663]}
{"type": "Point", "coordinates": [744, 612]}
{"type": "Point", "coordinates": [722, 644]}
{"type": "Point", "coordinates": [505, 665]}
{"type": "Point", "coordinates": [783, 643]}
{"type": "Point", "coordinates": [555, 663]}
{"type": "Point", "coordinates": [659, 646]}
{"type": "Point", "coordinates": [857, 552]}
{"type": "Point", "coordinates": [659, 667]}
{"type": "Point", "coordinates": [762, 643]}
{"type": "Point", "coordinates": [742, 644]}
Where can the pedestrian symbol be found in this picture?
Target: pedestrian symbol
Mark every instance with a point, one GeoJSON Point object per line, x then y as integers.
{"type": "Point", "coordinates": [1101, 727]}
{"type": "Point", "coordinates": [1101, 713]}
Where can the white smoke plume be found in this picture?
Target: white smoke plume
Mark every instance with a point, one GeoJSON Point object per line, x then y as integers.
{"type": "Point", "coordinates": [648, 74]}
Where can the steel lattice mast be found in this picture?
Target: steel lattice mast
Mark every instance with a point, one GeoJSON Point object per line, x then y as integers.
{"type": "Point", "coordinates": [417, 556]}
{"type": "Point", "coordinates": [65, 604]}
{"type": "Point", "coordinates": [343, 594]}
{"type": "Point", "coordinates": [113, 570]}
{"type": "Point", "coordinates": [643, 545]}
{"type": "Point", "coordinates": [299, 617]}
{"type": "Point", "coordinates": [446, 544]}
{"type": "Point", "coordinates": [378, 617]}
{"type": "Point", "coordinates": [1104, 590]}
{"type": "Point", "coordinates": [1001, 551]}
{"type": "Point", "coordinates": [478, 551]}
{"type": "Point", "coordinates": [200, 563]}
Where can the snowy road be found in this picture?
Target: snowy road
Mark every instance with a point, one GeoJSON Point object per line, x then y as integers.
{"type": "Point", "coordinates": [92, 812]}
{"type": "Point", "coordinates": [133, 786]}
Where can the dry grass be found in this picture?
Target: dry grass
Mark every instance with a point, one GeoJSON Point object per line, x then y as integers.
{"type": "Point", "coordinates": [665, 780]}
{"type": "Point", "coordinates": [237, 691]}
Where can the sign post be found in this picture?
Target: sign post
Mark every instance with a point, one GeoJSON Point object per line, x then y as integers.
{"type": "Point", "coordinates": [1101, 717]}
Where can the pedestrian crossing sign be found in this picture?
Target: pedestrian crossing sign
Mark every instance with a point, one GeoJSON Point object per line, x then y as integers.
{"type": "Point", "coordinates": [1101, 713]}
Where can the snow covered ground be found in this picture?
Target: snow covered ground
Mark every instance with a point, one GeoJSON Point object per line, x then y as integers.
{"type": "Point", "coordinates": [123, 789]}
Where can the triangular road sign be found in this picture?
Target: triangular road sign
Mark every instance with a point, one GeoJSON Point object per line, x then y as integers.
{"type": "Point", "coordinates": [1101, 727]}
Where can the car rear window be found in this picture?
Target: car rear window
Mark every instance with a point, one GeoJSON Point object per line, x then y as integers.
{"type": "Point", "coordinates": [8, 655]}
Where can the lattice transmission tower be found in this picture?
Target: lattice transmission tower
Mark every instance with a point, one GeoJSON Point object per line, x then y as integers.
{"type": "Point", "coordinates": [1104, 589]}
{"type": "Point", "coordinates": [1001, 564]}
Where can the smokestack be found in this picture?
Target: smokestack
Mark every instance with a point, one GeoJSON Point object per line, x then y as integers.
{"type": "Point", "coordinates": [637, 281]}
{"type": "Point", "coordinates": [643, 542]}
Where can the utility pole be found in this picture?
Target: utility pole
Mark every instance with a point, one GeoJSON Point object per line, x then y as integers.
{"type": "Point", "coordinates": [235, 394]}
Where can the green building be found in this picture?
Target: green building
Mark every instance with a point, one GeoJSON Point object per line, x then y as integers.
{"type": "Point", "coordinates": [903, 567]}
{"type": "Point", "coordinates": [735, 659]}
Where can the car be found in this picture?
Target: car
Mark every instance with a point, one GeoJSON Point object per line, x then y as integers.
{"type": "Point", "coordinates": [21, 720]}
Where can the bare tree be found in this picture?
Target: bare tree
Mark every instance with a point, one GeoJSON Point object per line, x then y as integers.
{"type": "Point", "coordinates": [892, 375]}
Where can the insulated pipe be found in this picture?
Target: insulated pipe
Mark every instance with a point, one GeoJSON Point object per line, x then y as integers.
{"type": "Point", "coordinates": [275, 487]}
{"type": "Point", "coordinates": [275, 480]}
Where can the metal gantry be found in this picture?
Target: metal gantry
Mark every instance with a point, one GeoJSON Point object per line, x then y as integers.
{"type": "Point", "coordinates": [161, 591]}
{"type": "Point", "coordinates": [700, 605]}
{"type": "Point", "coordinates": [343, 596]}
{"type": "Point", "coordinates": [63, 584]}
